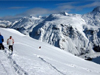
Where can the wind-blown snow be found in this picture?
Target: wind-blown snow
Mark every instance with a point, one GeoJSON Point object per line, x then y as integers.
{"type": "Point", "coordinates": [28, 59]}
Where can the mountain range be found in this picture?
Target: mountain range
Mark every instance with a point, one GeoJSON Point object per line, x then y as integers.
{"type": "Point", "coordinates": [74, 33]}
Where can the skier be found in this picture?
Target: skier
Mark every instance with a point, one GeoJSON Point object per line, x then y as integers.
{"type": "Point", "coordinates": [10, 42]}
{"type": "Point", "coordinates": [1, 42]}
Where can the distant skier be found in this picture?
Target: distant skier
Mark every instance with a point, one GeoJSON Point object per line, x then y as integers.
{"type": "Point", "coordinates": [1, 42]}
{"type": "Point", "coordinates": [10, 42]}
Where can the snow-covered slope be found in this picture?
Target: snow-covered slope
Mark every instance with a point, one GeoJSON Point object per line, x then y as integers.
{"type": "Point", "coordinates": [28, 59]}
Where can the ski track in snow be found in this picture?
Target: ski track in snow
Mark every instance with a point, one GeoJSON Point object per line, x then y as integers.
{"type": "Point", "coordinates": [70, 65]}
{"type": "Point", "coordinates": [3, 67]}
{"type": "Point", "coordinates": [14, 65]}
{"type": "Point", "coordinates": [49, 64]}
{"type": "Point", "coordinates": [6, 68]}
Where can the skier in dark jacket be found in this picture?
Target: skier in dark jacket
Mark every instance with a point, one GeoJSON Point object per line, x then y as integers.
{"type": "Point", "coordinates": [1, 42]}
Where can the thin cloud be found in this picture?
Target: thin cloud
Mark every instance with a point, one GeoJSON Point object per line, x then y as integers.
{"type": "Point", "coordinates": [16, 7]}
{"type": "Point", "coordinates": [34, 12]}
{"type": "Point", "coordinates": [38, 11]}
{"type": "Point", "coordinates": [68, 5]}
{"type": "Point", "coordinates": [94, 4]}
{"type": "Point", "coordinates": [12, 18]}
{"type": "Point", "coordinates": [3, 8]}
{"type": "Point", "coordinates": [76, 5]}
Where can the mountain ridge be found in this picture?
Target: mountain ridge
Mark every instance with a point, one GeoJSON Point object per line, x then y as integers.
{"type": "Point", "coordinates": [75, 33]}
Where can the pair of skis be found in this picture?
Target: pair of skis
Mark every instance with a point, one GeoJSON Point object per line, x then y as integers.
{"type": "Point", "coordinates": [10, 52]}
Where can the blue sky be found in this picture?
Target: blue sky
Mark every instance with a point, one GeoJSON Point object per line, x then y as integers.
{"type": "Point", "coordinates": [43, 7]}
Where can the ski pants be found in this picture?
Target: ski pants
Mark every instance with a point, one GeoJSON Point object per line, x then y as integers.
{"type": "Point", "coordinates": [1, 46]}
{"type": "Point", "coordinates": [11, 47]}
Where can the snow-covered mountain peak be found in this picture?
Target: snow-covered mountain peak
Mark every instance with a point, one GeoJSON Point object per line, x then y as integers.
{"type": "Point", "coordinates": [57, 15]}
{"type": "Point", "coordinates": [97, 9]}
{"type": "Point", "coordinates": [93, 18]}
{"type": "Point", "coordinates": [64, 13]}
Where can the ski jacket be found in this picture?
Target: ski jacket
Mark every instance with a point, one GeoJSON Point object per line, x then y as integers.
{"type": "Point", "coordinates": [1, 39]}
{"type": "Point", "coordinates": [10, 41]}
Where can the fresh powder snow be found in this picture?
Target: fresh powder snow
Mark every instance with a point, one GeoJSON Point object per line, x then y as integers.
{"type": "Point", "coordinates": [29, 59]}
